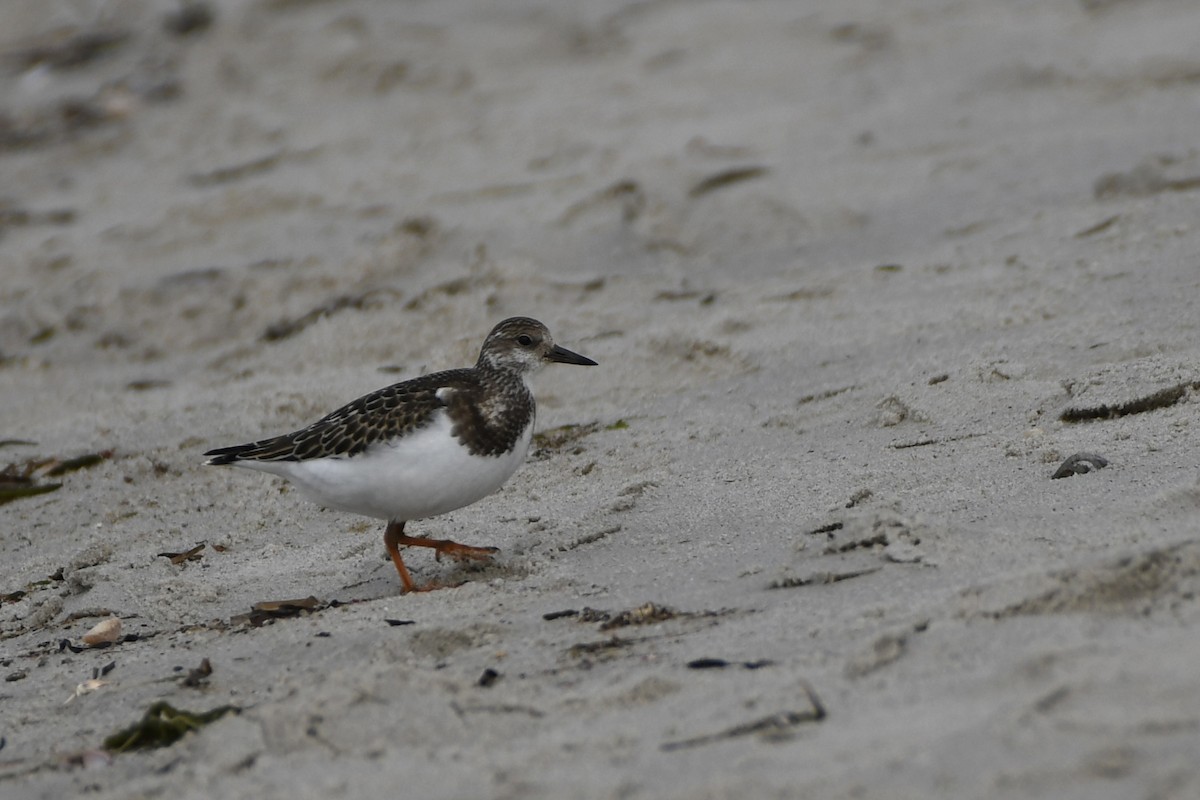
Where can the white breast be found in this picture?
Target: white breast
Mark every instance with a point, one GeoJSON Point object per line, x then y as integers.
{"type": "Point", "coordinates": [423, 474]}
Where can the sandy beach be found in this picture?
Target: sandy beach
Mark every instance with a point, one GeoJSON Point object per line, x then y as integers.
{"type": "Point", "coordinates": [861, 276]}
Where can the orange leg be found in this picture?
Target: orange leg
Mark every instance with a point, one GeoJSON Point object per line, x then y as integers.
{"type": "Point", "coordinates": [394, 538]}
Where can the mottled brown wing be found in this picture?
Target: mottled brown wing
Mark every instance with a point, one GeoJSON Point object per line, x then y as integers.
{"type": "Point", "coordinates": [387, 413]}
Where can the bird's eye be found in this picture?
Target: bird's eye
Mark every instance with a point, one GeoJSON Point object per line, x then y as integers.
{"type": "Point", "coordinates": [524, 340]}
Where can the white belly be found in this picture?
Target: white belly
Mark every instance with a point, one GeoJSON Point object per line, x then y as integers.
{"type": "Point", "coordinates": [422, 475]}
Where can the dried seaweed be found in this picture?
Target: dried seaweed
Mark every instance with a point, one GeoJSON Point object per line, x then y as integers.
{"type": "Point", "coordinates": [19, 480]}
{"type": "Point", "coordinates": [66, 465]}
{"type": "Point", "coordinates": [1163, 398]}
{"type": "Point", "coordinates": [161, 726]}
{"type": "Point", "coordinates": [16, 488]}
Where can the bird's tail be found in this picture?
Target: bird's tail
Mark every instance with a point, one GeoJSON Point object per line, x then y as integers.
{"type": "Point", "coordinates": [227, 455]}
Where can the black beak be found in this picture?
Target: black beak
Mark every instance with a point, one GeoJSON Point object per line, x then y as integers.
{"type": "Point", "coordinates": [564, 356]}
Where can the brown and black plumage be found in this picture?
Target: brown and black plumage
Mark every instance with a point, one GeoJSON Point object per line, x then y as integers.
{"type": "Point", "coordinates": [421, 447]}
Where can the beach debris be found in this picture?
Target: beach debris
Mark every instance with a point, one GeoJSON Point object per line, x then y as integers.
{"type": "Point", "coordinates": [557, 439]}
{"type": "Point", "coordinates": [267, 610]}
{"type": "Point", "coordinates": [926, 441]}
{"type": "Point", "coordinates": [161, 726]}
{"type": "Point", "coordinates": [720, 663]}
{"type": "Point", "coordinates": [103, 633]}
{"type": "Point", "coordinates": [728, 177]}
{"type": "Point", "coordinates": [87, 687]}
{"type": "Point", "coordinates": [773, 727]}
{"type": "Point", "coordinates": [147, 384]}
{"type": "Point", "coordinates": [19, 594]}
{"type": "Point", "coordinates": [1080, 464]}
{"type": "Point", "coordinates": [1163, 398]}
{"type": "Point", "coordinates": [58, 467]}
{"type": "Point", "coordinates": [287, 606]}
{"type": "Point", "coordinates": [488, 678]}
{"type": "Point", "coordinates": [197, 677]}
{"type": "Point", "coordinates": [704, 298]}
{"type": "Point", "coordinates": [20, 480]}
{"type": "Point", "coordinates": [15, 487]}
{"type": "Point", "coordinates": [819, 578]}
{"type": "Point", "coordinates": [567, 612]}
{"type": "Point", "coordinates": [645, 614]}
{"type": "Point", "coordinates": [589, 614]}
{"type": "Point", "coordinates": [828, 530]}
{"type": "Point", "coordinates": [395, 623]}
{"type": "Point", "coordinates": [372, 298]}
{"type": "Point", "coordinates": [185, 555]}
{"type": "Point", "coordinates": [1099, 227]}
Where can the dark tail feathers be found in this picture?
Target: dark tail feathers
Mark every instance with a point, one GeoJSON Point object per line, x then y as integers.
{"type": "Point", "coordinates": [227, 455]}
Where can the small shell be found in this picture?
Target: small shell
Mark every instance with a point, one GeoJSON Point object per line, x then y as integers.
{"type": "Point", "coordinates": [105, 632]}
{"type": "Point", "coordinates": [86, 687]}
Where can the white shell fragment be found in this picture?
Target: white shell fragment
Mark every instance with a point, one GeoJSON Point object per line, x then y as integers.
{"type": "Point", "coordinates": [86, 687]}
{"type": "Point", "coordinates": [105, 632]}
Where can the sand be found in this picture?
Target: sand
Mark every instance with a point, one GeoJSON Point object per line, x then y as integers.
{"type": "Point", "coordinates": [860, 277]}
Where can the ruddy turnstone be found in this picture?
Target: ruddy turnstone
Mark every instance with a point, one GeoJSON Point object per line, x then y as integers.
{"type": "Point", "coordinates": [422, 447]}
